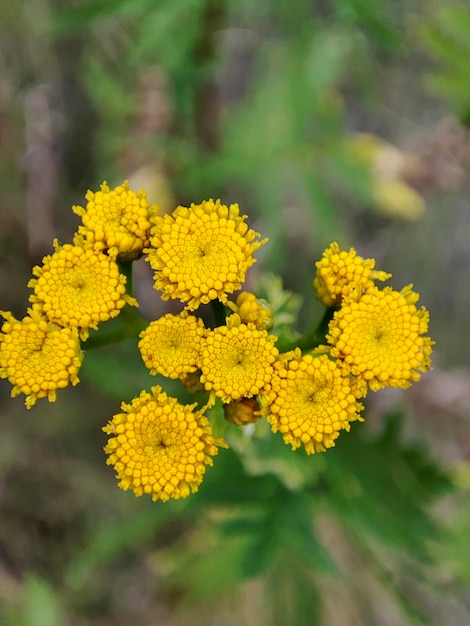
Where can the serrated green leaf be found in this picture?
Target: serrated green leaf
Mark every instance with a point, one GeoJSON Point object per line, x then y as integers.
{"type": "Point", "coordinates": [382, 488]}
{"type": "Point", "coordinates": [262, 551]}
{"type": "Point", "coordinates": [296, 521]}
{"type": "Point", "coordinates": [227, 483]}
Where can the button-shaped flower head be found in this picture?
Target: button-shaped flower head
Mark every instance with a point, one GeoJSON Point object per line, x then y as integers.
{"type": "Point", "coordinates": [116, 221]}
{"type": "Point", "coordinates": [201, 253]}
{"type": "Point", "coordinates": [381, 337]}
{"type": "Point", "coordinates": [237, 360]}
{"type": "Point", "coordinates": [310, 401]}
{"type": "Point", "coordinates": [78, 288]}
{"type": "Point", "coordinates": [341, 274]}
{"type": "Point", "coordinates": [38, 357]}
{"type": "Point", "coordinates": [172, 345]}
{"type": "Point", "coordinates": [160, 447]}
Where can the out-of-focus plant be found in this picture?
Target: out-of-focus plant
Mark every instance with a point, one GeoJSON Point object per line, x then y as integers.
{"type": "Point", "coordinates": [445, 35]}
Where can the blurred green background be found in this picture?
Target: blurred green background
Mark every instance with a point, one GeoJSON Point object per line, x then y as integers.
{"type": "Point", "coordinates": [345, 120]}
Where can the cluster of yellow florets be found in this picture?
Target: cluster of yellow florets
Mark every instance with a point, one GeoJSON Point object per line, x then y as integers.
{"type": "Point", "coordinates": [75, 289]}
{"type": "Point", "coordinates": [159, 446]}
{"type": "Point", "coordinates": [311, 400]}
{"type": "Point", "coordinates": [342, 274]}
{"type": "Point", "coordinates": [116, 221]}
{"type": "Point", "coordinates": [201, 255]}
{"type": "Point", "coordinates": [377, 333]}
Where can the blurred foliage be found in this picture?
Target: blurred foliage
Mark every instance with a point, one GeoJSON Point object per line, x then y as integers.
{"type": "Point", "coordinates": [446, 37]}
{"type": "Point", "coordinates": [255, 102]}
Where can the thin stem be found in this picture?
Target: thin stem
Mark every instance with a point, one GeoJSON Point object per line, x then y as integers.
{"type": "Point", "coordinates": [125, 268]}
{"type": "Point", "coordinates": [219, 312]}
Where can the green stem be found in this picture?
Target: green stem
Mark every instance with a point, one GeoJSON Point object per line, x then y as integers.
{"type": "Point", "coordinates": [125, 268]}
{"type": "Point", "coordinates": [219, 312]}
{"type": "Point", "coordinates": [311, 340]}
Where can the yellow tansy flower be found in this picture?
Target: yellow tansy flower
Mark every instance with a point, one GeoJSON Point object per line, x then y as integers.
{"type": "Point", "coordinates": [253, 310]}
{"type": "Point", "coordinates": [115, 220]}
{"type": "Point", "coordinates": [78, 288]}
{"type": "Point", "coordinates": [171, 345]}
{"type": "Point", "coordinates": [237, 360]}
{"type": "Point", "coordinates": [38, 357]}
{"type": "Point", "coordinates": [310, 401]}
{"type": "Point", "coordinates": [159, 446]}
{"type": "Point", "coordinates": [340, 274]}
{"type": "Point", "coordinates": [381, 337]}
{"type": "Point", "coordinates": [201, 253]}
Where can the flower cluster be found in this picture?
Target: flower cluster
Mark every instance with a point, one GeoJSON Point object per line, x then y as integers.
{"type": "Point", "coordinates": [377, 333]}
{"type": "Point", "coordinates": [75, 289]}
{"type": "Point", "coordinates": [220, 345]}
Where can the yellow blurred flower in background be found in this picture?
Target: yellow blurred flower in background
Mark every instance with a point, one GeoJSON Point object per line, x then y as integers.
{"type": "Point", "coordinates": [390, 167]}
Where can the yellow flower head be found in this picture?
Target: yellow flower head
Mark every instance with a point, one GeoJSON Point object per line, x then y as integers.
{"type": "Point", "coordinates": [253, 310]}
{"type": "Point", "coordinates": [237, 360]}
{"type": "Point", "coordinates": [341, 274]}
{"type": "Point", "coordinates": [311, 401]}
{"type": "Point", "coordinates": [38, 357]}
{"type": "Point", "coordinates": [115, 220]}
{"type": "Point", "coordinates": [159, 446]}
{"type": "Point", "coordinates": [381, 338]}
{"type": "Point", "coordinates": [172, 344]}
{"type": "Point", "coordinates": [241, 412]}
{"type": "Point", "coordinates": [78, 288]}
{"type": "Point", "coordinates": [201, 253]}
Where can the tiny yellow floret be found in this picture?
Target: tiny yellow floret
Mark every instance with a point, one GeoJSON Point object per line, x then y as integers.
{"type": "Point", "coordinates": [201, 253]}
{"type": "Point", "coordinates": [159, 446]}
{"type": "Point", "coordinates": [342, 274]}
{"type": "Point", "coordinates": [38, 357]}
{"type": "Point", "coordinates": [116, 221]}
{"type": "Point", "coordinates": [78, 288]}
{"type": "Point", "coordinates": [237, 361]}
{"type": "Point", "coordinates": [310, 401]}
{"type": "Point", "coordinates": [380, 337]}
{"type": "Point", "coordinates": [253, 310]}
{"type": "Point", "coordinates": [171, 346]}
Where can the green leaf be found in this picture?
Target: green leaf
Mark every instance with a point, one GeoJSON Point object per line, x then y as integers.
{"type": "Point", "coordinates": [298, 533]}
{"type": "Point", "coordinates": [446, 37]}
{"type": "Point", "coordinates": [215, 571]}
{"type": "Point", "coordinates": [382, 488]}
{"type": "Point", "coordinates": [109, 541]}
{"type": "Point", "coordinates": [76, 17]}
{"type": "Point", "coordinates": [227, 483]}
{"type": "Point", "coordinates": [40, 603]}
